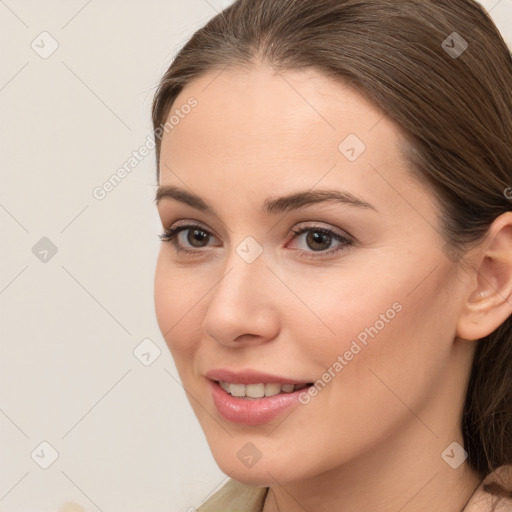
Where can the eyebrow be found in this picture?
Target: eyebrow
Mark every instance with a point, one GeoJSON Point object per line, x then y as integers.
{"type": "Point", "coordinates": [272, 205]}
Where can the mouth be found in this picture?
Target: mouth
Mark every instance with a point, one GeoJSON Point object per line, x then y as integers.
{"type": "Point", "coordinates": [255, 403]}
{"type": "Point", "coordinates": [259, 390]}
{"type": "Point", "coordinates": [252, 397]}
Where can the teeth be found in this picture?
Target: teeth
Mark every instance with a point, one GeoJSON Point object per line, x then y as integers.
{"type": "Point", "coordinates": [273, 389]}
{"type": "Point", "coordinates": [237, 389]}
{"type": "Point", "coordinates": [252, 391]}
{"type": "Point", "coordinates": [255, 390]}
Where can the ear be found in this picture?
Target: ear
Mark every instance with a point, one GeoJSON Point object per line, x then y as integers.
{"type": "Point", "coordinates": [489, 300]}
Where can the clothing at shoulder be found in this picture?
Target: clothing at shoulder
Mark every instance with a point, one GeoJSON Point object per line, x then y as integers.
{"type": "Point", "coordinates": [483, 501]}
{"type": "Point", "coordinates": [238, 497]}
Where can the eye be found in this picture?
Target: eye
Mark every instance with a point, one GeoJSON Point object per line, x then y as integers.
{"type": "Point", "coordinates": [191, 238]}
{"type": "Point", "coordinates": [319, 239]}
{"type": "Point", "coordinates": [185, 236]}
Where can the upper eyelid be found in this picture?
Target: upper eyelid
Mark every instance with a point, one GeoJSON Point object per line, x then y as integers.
{"type": "Point", "coordinates": [313, 206]}
{"type": "Point", "coordinates": [298, 225]}
{"type": "Point", "coordinates": [303, 226]}
{"type": "Point", "coordinates": [186, 225]}
{"type": "Point", "coordinates": [298, 229]}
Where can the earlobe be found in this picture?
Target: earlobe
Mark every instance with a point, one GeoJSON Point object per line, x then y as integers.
{"type": "Point", "coordinates": [489, 300]}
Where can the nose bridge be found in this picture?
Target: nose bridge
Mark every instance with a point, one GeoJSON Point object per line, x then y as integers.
{"type": "Point", "coordinates": [241, 303]}
{"type": "Point", "coordinates": [245, 275]}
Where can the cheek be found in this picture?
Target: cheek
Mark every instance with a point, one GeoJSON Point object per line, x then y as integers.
{"type": "Point", "coordinates": [163, 296]}
{"type": "Point", "coordinates": [176, 304]}
{"type": "Point", "coordinates": [413, 346]}
{"type": "Point", "coordinates": [382, 326]}
{"type": "Point", "coordinates": [343, 306]}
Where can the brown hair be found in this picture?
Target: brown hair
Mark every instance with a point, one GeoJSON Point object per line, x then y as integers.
{"type": "Point", "coordinates": [453, 102]}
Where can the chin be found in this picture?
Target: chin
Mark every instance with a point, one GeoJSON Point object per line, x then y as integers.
{"type": "Point", "coordinates": [274, 465]}
{"type": "Point", "coordinates": [262, 474]}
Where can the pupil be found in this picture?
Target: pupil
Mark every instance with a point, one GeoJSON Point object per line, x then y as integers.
{"type": "Point", "coordinates": [315, 237]}
{"type": "Point", "coordinates": [195, 236]}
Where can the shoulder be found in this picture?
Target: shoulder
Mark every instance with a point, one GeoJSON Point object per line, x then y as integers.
{"type": "Point", "coordinates": [483, 500]}
{"type": "Point", "coordinates": [235, 497]}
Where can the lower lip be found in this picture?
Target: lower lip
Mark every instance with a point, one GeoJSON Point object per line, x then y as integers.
{"type": "Point", "coordinates": [252, 412]}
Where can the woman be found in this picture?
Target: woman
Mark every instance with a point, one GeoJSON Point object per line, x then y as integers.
{"type": "Point", "coordinates": [335, 278]}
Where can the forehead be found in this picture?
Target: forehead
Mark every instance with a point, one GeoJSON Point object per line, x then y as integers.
{"type": "Point", "coordinates": [292, 115]}
{"type": "Point", "coordinates": [241, 108]}
{"type": "Point", "coordinates": [257, 129]}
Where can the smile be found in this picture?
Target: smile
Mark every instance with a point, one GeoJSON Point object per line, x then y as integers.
{"type": "Point", "coordinates": [255, 391]}
{"type": "Point", "coordinates": [249, 404]}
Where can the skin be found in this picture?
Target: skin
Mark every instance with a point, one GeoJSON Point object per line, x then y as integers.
{"type": "Point", "coordinates": [372, 439]}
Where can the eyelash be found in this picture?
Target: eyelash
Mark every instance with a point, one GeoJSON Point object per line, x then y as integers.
{"type": "Point", "coordinates": [170, 235]}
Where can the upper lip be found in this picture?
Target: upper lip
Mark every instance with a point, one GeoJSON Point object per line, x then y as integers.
{"type": "Point", "coordinates": [250, 377]}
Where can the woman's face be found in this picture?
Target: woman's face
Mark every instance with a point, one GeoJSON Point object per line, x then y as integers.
{"type": "Point", "coordinates": [354, 294]}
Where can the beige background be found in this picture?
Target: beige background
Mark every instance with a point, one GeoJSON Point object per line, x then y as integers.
{"type": "Point", "coordinates": [124, 432]}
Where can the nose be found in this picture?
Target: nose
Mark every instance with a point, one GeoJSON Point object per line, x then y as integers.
{"type": "Point", "coordinates": [243, 308]}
